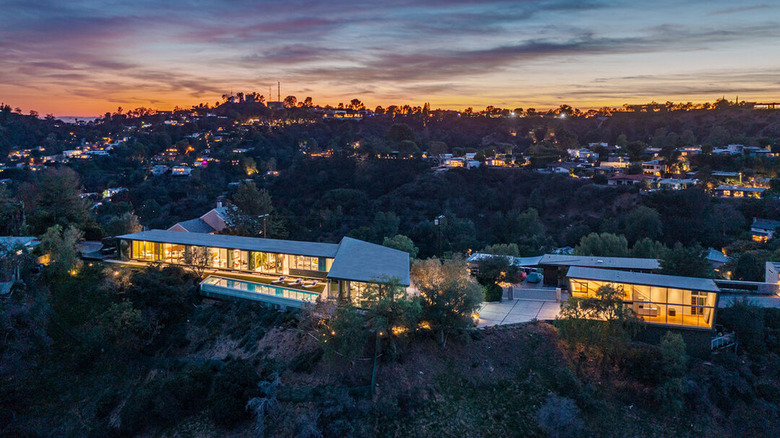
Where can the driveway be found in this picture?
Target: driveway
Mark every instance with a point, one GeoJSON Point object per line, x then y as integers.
{"type": "Point", "coordinates": [529, 303]}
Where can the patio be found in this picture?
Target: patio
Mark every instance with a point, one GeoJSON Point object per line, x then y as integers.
{"type": "Point", "coordinates": [529, 303]}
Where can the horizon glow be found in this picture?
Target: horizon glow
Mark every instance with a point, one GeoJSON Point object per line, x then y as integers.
{"type": "Point", "coordinates": [85, 58]}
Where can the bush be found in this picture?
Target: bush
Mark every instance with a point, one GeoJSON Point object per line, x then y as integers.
{"type": "Point", "coordinates": [559, 417]}
{"type": "Point", "coordinates": [233, 386]}
{"type": "Point", "coordinates": [747, 321]}
{"type": "Point", "coordinates": [493, 292]}
{"type": "Point", "coordinates": [642, 363]}
{"type": "Point", "coordinates": [165, 399]}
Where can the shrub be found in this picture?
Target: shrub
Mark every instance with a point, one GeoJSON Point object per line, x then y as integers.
{"type": "Point", "coordinates": [493, 292]}
{"type": "Point", "coordinates": [747, 321]}
{"type": "Point", "coordinates": [233, 386]}
{"type": "Point", "coordinates": [559, 417]}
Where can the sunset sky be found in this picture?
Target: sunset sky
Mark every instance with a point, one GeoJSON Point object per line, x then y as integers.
{"type": "Point", "coordinates": [83, 58]}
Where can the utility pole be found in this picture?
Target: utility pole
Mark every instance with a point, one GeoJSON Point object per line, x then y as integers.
{"type": "Point", "coordinates": [265, 223]}
{"type": "Point", "coordinates": [438, 222]}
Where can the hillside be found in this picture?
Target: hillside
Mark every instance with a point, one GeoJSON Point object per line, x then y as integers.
{"type": "Point", "coordinates": [79, 359]}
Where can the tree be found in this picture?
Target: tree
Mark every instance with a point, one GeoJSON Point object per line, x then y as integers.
{"type": "Point", "coordinates": [356, 104]}
{"type": "Point", "coordinates": [125, 224]}
{"type": "Point", "coordinates": [643, 222]}
{"type": "Point", "coordinates": [635, 150]}
{"type": "Point", "coordinates": [509, 249]}
{"type": "Point", "coordinates": [601, 325]}
{"type": "Point", "coordinates": [671, 391]}
{"type": "Point", "coordinates": [196, 260]}
{"type": "Point", "coordinates": [290, 101]}
{"type": "Point", "coordinates": [61, 246]}
{"type": "Point", "coordinates": [399, 132]}
{"type": "Point", "coordinates": [402, 243]}
{"type": "Point", "coordinates": [649, 249]}
{"type": "Point", "coordinates": [749, 267]}
{"type": "Point", "coordinates": [246, 214]}
{"type": "Point", "coordinates": [686, 262]}
{"type": "Point", "coordinates": [449, 295]}
{"type": "Point", "coordinates": [602, 245]}
{"type": "Point", "coordinates": [436, 148]}
{"type": "Point", "coordinates": [390, 312]}
{"type": "Point", "coordinates": [57, 201]}
{"type": "Point", "coordinates": [342, 332]}
{"type": "Point", "coordinates": [494, 270]}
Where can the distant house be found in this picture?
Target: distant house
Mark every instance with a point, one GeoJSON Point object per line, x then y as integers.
{"type": "Point", "coordinates": [181, 170]}
{"type": "Point", "coordinates": [214, 221]}
{"type": "Point", "coordinates": [497, 162]}
{"type": "Point", "coordinates": [622, 179]}
{"type": "Point", "coordinates": [583, 154]}
{"type": "Point", "coordinates": [763, 230]}
{"type": "Point", "coordinates": [615, 163]}
{"type": "Point", "coordinates": [653, 167]}
{"type": "Point", "coordinates": [677, 184]}
{"type": "Point", "coordinates": [159, 169]}
{"type": "Point", "coordinates": [10, 248]}
{"type": "Point", "coordinates": [112, 191]}
{"type": "Point", "coordinates": [728, 191]}
{"type": "Point", "coordinates": [716, 258]}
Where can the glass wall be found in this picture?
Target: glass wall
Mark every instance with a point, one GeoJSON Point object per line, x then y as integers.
{"type": "Point", "coordinates": [173, 253]}
{"type": "Point", "coordinates": [266, 262]}
{"type": "Point", "coordinates": [147, 251]}
{"type": "Point", "coordinates": [217, 257]}
{"type": "Point", "coordinates": [304, 262]}
{"type": "Point", "coordinates": [658, 305]}
{"type": "Point", "coordinates": [227, 258]}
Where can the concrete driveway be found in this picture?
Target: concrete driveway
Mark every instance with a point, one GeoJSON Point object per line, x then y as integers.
{"type": "Point", "coordinates": [529, 303]}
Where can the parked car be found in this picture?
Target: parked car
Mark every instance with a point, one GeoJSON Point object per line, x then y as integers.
{"type": "Point", "coordinates": [533, 277]}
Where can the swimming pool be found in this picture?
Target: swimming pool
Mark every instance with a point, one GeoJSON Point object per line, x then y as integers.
{"type": "Point", "coordinates": [256, 291]}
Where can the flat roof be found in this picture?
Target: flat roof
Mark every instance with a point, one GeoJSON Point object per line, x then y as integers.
{"type": "Point", "coordinates": [354, 259]}
{"type": "Point", "coordinates": [691, 283]}
{"type": "Point", "coordinates": [600, 262]}
{"type": "Point", "coordinates": [362, 261]}
{"type": "Point", "coordinates": [312, 249]}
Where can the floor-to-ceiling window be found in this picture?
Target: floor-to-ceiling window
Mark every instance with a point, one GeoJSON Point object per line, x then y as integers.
{"type": "Point", "coordinates": [218, 257]}
{"type": "Point", "coordinates": [146, 251]}
{"type": "Point", "coordinates": [267, 263]}
{"type": "Point", "coordinates": [305, 263]}
{"type": "Point", "coordinates": [656, 304]}
{"type": "Point", "coordinates": [239, 260]}
{"type": "Point", "coordinates": [173, 253]}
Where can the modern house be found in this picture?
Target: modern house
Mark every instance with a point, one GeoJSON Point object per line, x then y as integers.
{"type": "Point", "coordinates": [763, 230]}
{"type": "Point", "coordinates": [727, 191]}
{"type": "Point", "coordinates": [555, 266]}
{"type": "Point", "coordinates": [667, 300]}
{"type": "Point", "coordinates": [284, 272]}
